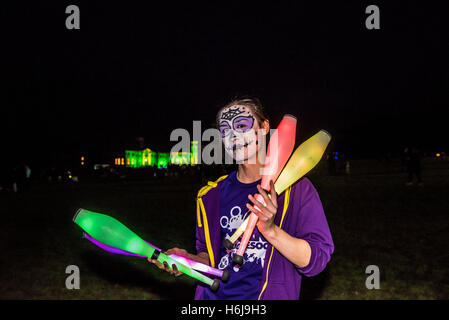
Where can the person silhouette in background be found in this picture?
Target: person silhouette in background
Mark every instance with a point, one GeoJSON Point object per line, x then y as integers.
{"type": "Point", "coordinates": [413, 162]}
{"type": "Point", "coordinates": [21, 176]}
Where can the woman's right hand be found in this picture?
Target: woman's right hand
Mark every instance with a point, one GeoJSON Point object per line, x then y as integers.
{"type": "Point", "coordinates": [180, 252]}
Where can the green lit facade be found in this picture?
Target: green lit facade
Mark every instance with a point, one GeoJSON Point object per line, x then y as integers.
{"type": "Point", "coordinates": [149, 158]}
{"type": "Point", "coordinates": [140, 158]}
{"type": "Point", "coordinates": [163, 159]}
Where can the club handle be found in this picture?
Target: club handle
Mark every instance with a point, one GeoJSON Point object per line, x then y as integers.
{"type": "Point", "coordinates": [198, 266]}
{"type": "Point", "coordinates": [188, 271]}
{"type": "Point", "coordinates": [245, 238]}
{"type": "Point", "coordinates": [229, 243]}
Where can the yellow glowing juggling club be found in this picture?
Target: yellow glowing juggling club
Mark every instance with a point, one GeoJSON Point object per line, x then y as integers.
{"type": "Point", "coordinates": [304, 159]}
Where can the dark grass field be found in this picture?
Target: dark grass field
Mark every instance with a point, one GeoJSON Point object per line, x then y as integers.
{"type": "Point", "coordinates": [374, 218]}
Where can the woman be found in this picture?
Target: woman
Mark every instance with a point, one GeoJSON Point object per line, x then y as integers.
{"type": "Point", "coordinates": [292, 237]}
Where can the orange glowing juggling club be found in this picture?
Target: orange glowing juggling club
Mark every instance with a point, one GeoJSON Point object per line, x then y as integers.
{"type": "Point", "coordinates": [279, 150]}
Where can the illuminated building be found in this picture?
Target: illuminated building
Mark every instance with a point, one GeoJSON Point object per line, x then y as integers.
{"type": "Point", "coordinates": [150, 158]}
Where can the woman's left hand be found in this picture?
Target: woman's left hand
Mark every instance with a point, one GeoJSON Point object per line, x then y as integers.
{"type": "Point", "coordinates": [266, 213]}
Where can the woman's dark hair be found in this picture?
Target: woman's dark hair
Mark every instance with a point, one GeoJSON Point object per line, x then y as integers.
{"type": "Point", "coordinates": [252, 103]}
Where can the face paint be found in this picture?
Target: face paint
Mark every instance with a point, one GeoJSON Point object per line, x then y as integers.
{"type": "Point", "coordinates": [243, 124]}
{"type": "Point", "coordinates": [239, 132]}
{"type": "Point", "coordinates": [225, 129]}
{"type": "Point", "coordinates": [230, 112]}
{"type": "Point", "coordinates": [239, 124]}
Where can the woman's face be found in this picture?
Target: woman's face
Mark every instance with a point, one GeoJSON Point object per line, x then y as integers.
{"type": "Point", "coordinates": [239, 128]}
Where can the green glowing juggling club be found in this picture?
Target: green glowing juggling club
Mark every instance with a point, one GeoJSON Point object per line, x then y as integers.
{"type": "Point", "coordinates": [112, 232]}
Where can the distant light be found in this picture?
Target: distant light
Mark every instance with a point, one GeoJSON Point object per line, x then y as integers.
{"type": "Point", "coordinates": [82, 158]}
{"type": "Point", "coordinates": [336, 158]}
{"type": "Point", "coordinates": [438, 154]}
{"type": "Point", "coordinates": [336, 152]}
{"type": "Point", "coordinates": [70, 177]}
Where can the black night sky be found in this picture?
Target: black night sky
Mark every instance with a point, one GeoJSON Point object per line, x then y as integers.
{"type": "Point", "coordinates": [136, 69]}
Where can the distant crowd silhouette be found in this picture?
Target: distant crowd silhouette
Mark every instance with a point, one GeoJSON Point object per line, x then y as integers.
{"type": "Point", "coordinates": [17, 178]}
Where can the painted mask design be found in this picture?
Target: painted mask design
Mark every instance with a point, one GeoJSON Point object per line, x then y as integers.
{"type": "Point", "coordinates": [238, 129]}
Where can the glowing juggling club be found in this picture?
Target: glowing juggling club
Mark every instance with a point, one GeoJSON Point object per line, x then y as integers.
{"type": "Point", "coordinates": [279, 150]}
{"type": "Point", "coordinates": [198, 266]}
{"type": "Point", "coordinates": [113, 233]}
{"type": "Point", "coordinates": [109, 248]}
{"type": "Point", "coordinates": [304, 159]}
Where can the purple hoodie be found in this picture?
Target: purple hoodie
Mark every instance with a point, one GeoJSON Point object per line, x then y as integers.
{"type": "Point", "coordinates": [302, 216]}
